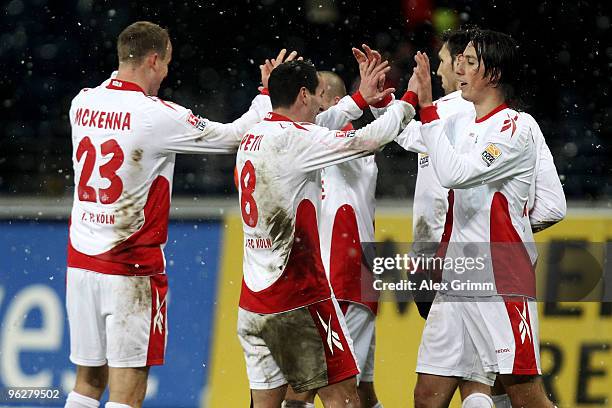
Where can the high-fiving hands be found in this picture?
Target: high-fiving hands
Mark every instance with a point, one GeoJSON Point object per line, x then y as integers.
{"type": "Point", "coordinates": [372, 71]}
{"type": "Point", "coordinates": [421, 80]}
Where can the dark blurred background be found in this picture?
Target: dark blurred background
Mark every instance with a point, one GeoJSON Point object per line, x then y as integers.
{"type": "Point", "coordinates": [49, 50]}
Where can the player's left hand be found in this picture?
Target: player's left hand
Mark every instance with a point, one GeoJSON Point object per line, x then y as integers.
{"type": "Point", "coordinates": [269, 64]}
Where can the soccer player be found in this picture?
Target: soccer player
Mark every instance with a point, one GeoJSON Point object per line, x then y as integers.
{"type": "Point", "coordinates": [546, 199]}
{"type": "Point", "coordinates": [289, 324]}
{"type": "Point", "coordinates": [125, 141]}
{"type": "Point", "coordinates": [347, 220]}
{"type": "Point", "coordinates": [489, 171]}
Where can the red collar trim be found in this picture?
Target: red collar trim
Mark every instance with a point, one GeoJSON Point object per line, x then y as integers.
{"type": "Point", "coordinates": [275, 117]}
{"type": "Point", "coordinates": [493, 112]}
{"type": "Point", "coordinates": [120, 85]}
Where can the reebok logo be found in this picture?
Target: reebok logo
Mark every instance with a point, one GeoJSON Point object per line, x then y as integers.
{"type": "Point", "coordinates": [523, 327]}
{"type": "Point", "coordinates": [510, 123]}
{"type": "Point", "coordinates": [332, 337]}
{"type": "Point", "coordinates": [158, 319]}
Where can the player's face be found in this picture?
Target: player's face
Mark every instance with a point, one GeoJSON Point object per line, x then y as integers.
{"type": "Point", "coordinates": [161, 69]}
{"type": "Point", "coordinates": [470, 74]}
{"type": "Point", "coordinates": [328, 97]}
{"type": "Point", "coordinates": [315, 102]}
{"type": "Point", "coordinates": [446, 71]}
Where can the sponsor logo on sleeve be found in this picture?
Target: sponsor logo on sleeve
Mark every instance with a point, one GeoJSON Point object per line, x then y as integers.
{"type": "Point", "coordinates": [196, 121]}
{"type": "Point", "coordinates": [423, 160]}
{"type": "Point", "coordinates": [490, 154]}
{"type": "Point", "coordinates": [345, 134]}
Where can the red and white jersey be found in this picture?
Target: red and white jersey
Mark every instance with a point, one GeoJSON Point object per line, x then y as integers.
{"type": "Point", "coordinates": [346, 220]}
{"type": "Point", "coordinates": [489, 171]}
{"type": "Point", "coordinates": [546, 198]}
{"type": "Point", "coordinates": [124, 148]}
{"type": "Point", "coordinates": [279, 164]}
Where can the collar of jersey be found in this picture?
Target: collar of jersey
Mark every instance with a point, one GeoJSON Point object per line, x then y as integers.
{"type": "Point", "coordinates": [121, 85]}
{"type": "Point", "coordinates": [493, 112]}
{"type": "Point", "coordinates": [275, 117]}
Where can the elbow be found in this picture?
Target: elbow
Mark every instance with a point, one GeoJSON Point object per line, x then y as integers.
{"type": "Point", "coordinates": [558, 213]}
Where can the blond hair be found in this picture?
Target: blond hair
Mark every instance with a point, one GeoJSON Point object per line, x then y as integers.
{"type": "Point", "coordinates": [139, 39]}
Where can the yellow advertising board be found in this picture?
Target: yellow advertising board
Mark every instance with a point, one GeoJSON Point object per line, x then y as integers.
{"type": "Point", "coordinates": [576, 338]}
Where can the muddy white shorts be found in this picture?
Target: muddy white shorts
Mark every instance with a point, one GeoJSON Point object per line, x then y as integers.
{"type": "Point", "coordinates": [360, 322]}
{"type": "Point", "coordinates": [116, 320]}
{"type": "Point", "coordinates": [476, 340]}
{"type": "Point", "coordinates": [308, 347]}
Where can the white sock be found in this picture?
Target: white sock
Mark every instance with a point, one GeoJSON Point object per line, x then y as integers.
{"type": "Point", "coordinates": [297, 404]}
{"type": "Point", "coordinates": [502, 401]}
{"type": "Point", "coordinates": [76, 400]}
{"type": "Point", "coordinates": [116, 405]}
{"type": "Point", "coordinates": [477, 400]}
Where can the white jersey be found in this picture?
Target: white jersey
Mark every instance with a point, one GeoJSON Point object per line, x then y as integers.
{"type": "Point", "coordinates": [547, 204]}
{"type": "Point", "coordinates": [489, 171]}
{"type": "Point", "coordinates": [546, 198]}
{"type": "Point", "coordinates": [347, 219]}
{"type": "Point", "coordinates": [430, 202]}
{"type": "Point", "coordinates": [279, 164]}
{"type": "Point", "coordinates": [124, 146]}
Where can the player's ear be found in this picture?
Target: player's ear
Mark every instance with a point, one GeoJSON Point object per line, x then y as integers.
{"type": "Point", "coordinates": [336, 99]}
{"type": "Point", "coordinates": [303, 95]}
{"type": "Point", "coordinates": [152, 59]}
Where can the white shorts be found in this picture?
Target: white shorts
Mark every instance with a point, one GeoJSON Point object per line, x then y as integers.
{"type": "Point", "coordinates": [478, 340]}
{"type": "Point", "coordinates": [308, 347]}
{"type": "Point", "coordinates": [116, 320]}
{"type": "Point", "coordinates": [360, 323]}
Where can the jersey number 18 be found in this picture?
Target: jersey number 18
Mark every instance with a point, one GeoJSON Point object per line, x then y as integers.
{"type": "Point", "coordinates": [248, 206]}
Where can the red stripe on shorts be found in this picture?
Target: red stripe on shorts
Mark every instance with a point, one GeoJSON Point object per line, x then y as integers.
{"type": "Point", "coordinates": [338, 355]}
{"type": "Point", "coordinates": [158, 330]}
{"type": "Point", "coordinates": [524, 351]}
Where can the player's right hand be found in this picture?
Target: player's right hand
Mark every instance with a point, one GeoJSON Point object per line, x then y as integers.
{"type": "Point", "coordinates": [372, 71]}
{"type": "Point", "coordinates": [423, 74]}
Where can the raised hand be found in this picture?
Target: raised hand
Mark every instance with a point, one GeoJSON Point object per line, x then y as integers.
{"type": "Point", "coordinates": [372, 72]}
{"type": "Point", "coordinates": [413, 83]}
{"type": "Point", "coordinates": [268, 66]}
{"type": "Point", "coordinates": [423, 78]}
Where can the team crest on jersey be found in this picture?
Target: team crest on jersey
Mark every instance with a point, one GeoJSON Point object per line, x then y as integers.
{"type": "Point", "coordinates": [345, 134]}
{"type": "Point", "coordinates": [196, 121]}
{"type": "Point", "coordinates": [490, 154]}
{"type": "Point", "coordinates": [423, 160]}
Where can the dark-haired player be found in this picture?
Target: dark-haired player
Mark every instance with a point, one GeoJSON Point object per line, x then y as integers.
{"type": "Point", "coordinates": [289, 324]}
{"type": "Point", "coordinates": [489, 172]}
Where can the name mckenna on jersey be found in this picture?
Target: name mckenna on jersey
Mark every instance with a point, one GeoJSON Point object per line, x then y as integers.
{"type": "Point", "coordinates": [103, 120]}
